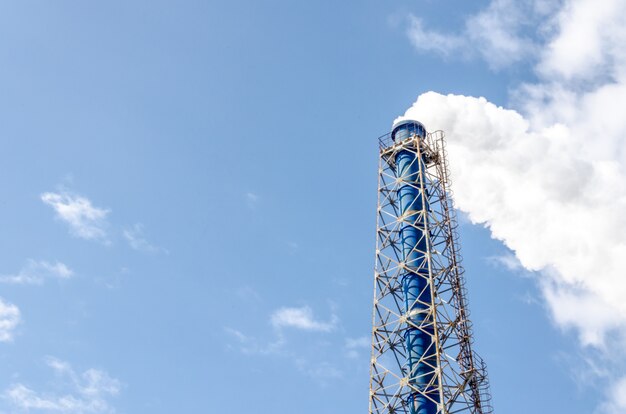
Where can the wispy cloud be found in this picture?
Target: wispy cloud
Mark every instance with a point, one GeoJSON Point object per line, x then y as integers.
{"type": "Point", "coordinates": [252, 199]}
{"type": "Point", "coordinates": [302, 318]}
{"type": "Point", "coordinates": [495, 33]}
{"type": "Point", "coordinates": [355, 346]}
{"type": "Point", "coordinates": [85, 220]}
{"type": "Point", "coordinates": [248, 294]}
{"type": "Point", "coordinates": [36, 272]}
{"type": "Point", "coordinates": [322, 372]}
{"type": "Point", "coordinates": [430, 41]}
{"type": "Point", "coordinates": [360, 342]}
{"type": "Point", "coordinates": [293, 247]}
{"type": "Point", "coordinates": [9, 319]}
{"type": "Point", "coordinates": [137, 241]}
{"type": "Point", "coordinates": [318, 360]}
{"type": "Point", "coordinates": [508, 261]}
{"type": "Point", "coordinates": [250, 345]}
{"type": "Point", "coordinates": [616, 402]}
{"type": "Point", "coordinates": [87, 392]}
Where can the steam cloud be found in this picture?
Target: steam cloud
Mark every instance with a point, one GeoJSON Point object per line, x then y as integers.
{"type": "Point", "coordinates": [549, 179]}
{"type": "Point", "coordinates": [559, 210]}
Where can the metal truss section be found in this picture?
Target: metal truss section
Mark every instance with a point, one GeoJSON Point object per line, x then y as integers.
{"type": "Point", "coordinates": [452, 378]}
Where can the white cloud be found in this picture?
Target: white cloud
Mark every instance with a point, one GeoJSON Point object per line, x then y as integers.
{"type": "Point", "coordinates": [9, 319]}
{"type": "Point", "coordinates": [360, 342]}
{"type": "Point", "coordinates": [87, 392]}
{"type": "Point", "coordinates": [430, 41]}
{"type": "Point", "coordinates": [318, 360]}
{"type": "Point", "coordinates": [353, 346]}
{"type": "Point", "coordinates": [321, 371]}
{"type": "Point", "coordinates": [301, 318]}
{"type": "Point", "coordinates": [495, 33]}
{"type": "Point", "coordinates": [293, 247]}
{"type": "Point", "coordinates": [616, 401]}
{"type": "Point", "coordinates": [250, 345]}
{"type": "Point", "coordinates": [241, 337]}
{"type": "Point", "coordinates": [559, 208]}
{"type": "Point", "coordinates": [590, 39]}
{"type": "Point", "coordinates": [136, 240]}
{"type": "Point", "coordinates": [252, 199]}
{"type": "Point", "coordinates": [508, 261]}
{"type": "Point", "coordinates": [583, 310]}
{"type": "Point", "coordinates": [248, 294]}
{"type": "Point", "coordinates": [85, 220]}
{"type": "Point", "coordinates": [549, 179]}
{"type": "Point", "coordinates": [36, 272]}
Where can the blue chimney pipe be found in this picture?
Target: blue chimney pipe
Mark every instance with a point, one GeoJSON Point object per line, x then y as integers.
{"type": "Point", "coordinates": [413, 199]}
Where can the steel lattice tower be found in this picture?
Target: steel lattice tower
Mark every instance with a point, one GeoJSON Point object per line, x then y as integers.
{"type": "Point", "coordinates": [422, 359]}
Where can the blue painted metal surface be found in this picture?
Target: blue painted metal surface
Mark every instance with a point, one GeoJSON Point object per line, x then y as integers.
{"type": "Point", "coordinates": [415, 280]}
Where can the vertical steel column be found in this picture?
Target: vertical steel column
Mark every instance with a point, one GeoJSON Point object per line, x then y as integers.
{"type": "Point", "coordinates": [422, 360]}
{"type": "Point", "coordinates": [416, 286]}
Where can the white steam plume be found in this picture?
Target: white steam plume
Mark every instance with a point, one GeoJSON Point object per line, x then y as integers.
{"type": "Point", "coordinates": [549, 179]}
{"type": "Point", "coordinates": [540, 193]}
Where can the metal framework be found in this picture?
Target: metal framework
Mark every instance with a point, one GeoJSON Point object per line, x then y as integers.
{"type": "Point", "coordinates": [451, 377]}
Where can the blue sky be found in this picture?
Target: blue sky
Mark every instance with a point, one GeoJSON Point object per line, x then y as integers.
{"type": "Point", "coordinates": [189, 191]}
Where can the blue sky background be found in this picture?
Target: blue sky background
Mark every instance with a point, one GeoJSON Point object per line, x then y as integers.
{"type": "Point", "coordinates": [231, 148]}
